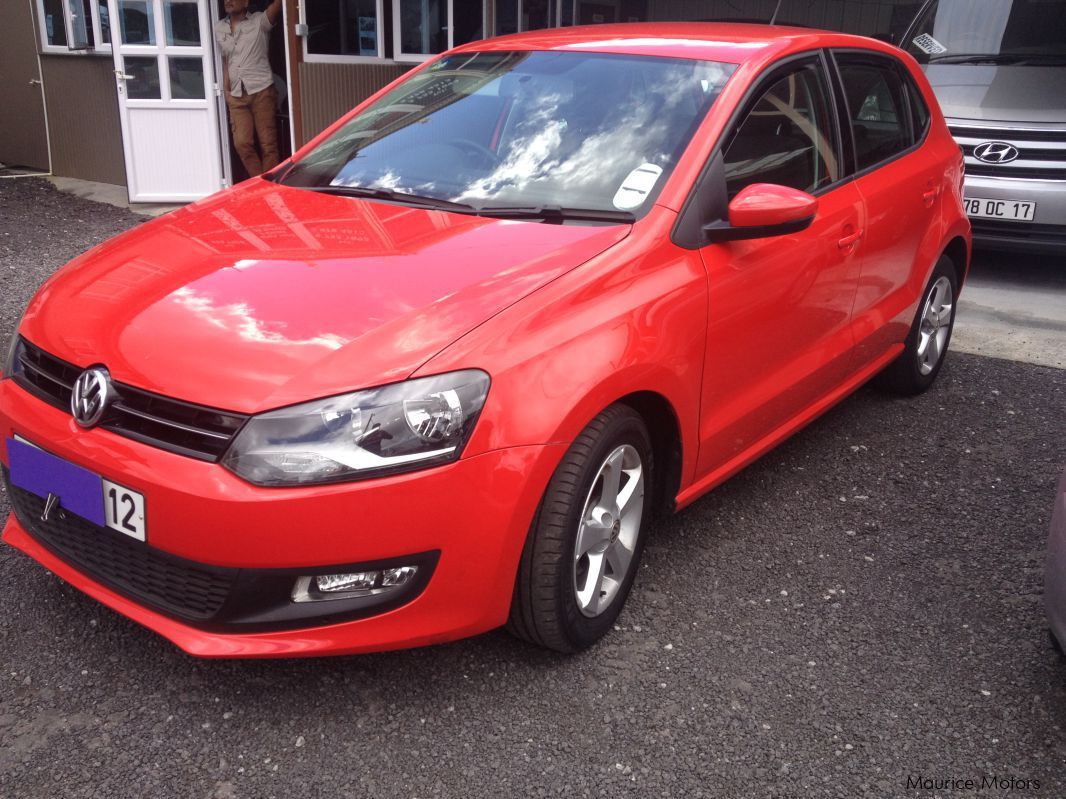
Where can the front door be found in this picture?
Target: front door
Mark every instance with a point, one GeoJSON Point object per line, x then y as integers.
{"type": "Point", "coordinates": [779, 334]}
{"type": "Point", "coordinates": [164, 72]}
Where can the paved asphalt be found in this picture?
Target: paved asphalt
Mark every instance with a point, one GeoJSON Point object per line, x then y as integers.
{"type": "Point", "coordinates": [859, 608]}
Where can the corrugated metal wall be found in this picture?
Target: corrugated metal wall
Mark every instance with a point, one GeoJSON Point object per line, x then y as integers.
{"type": "Point", "coordinates": [83, 121]}
{"type": "Point", "coordinates": [329, 90]}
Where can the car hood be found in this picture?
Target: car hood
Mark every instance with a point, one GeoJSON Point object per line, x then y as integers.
{"type": "Point", "coordinates": [994, 93]}
{"type": "Point", "coordinates": [264, 296]}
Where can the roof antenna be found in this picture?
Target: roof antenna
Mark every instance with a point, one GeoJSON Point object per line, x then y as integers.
{"type": "Point", "coordinates": [773, 17]}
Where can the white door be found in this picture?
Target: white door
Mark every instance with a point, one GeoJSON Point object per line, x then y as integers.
{"type": "Point", "coordinates": [164, 70]}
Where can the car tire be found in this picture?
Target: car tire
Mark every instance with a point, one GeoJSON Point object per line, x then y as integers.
{"type": "Point", "coordinates": [583, 550]}
{"type": "Point", "coordinates": [926, 346]}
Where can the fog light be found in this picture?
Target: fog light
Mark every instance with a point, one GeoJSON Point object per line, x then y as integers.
{"type": "Point", "coordinates": [328, 583]}
{"type": "Point", "coordinates": [352, 584]}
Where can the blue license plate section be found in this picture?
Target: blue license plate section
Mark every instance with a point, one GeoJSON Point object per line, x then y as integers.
{"type": "Point", "coordinates": [76, 490]}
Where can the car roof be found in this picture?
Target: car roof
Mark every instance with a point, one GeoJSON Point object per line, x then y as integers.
{"type": "Point", "coordinates": [734, 43]}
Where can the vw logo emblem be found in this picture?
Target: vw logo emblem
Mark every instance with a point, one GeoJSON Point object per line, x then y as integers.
{"type": "Point", "coordinates": [995, 152]}
{"type": "Point", "coordinates": [91, 396]}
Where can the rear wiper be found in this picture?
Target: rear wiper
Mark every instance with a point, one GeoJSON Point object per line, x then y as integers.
{"type": "Point", "coordinates": [555, 213]}
{"type": "Point", "coordinates": [393, 195]}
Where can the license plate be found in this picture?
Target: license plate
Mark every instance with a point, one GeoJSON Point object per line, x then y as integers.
{"type": "Point", "coordinates": [1015, 210]}
{"type": "Point", "coordinates": [75, 490]}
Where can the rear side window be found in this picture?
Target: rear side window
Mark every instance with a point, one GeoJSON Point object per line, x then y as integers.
{"type": "Point", "coordinates": [877, 109]}
{"type": "Point", "coordinates": [787, 138]}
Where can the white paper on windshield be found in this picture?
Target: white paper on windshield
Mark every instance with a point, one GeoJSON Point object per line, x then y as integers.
{"type": "Point", "coordinates": [637, 185]}
{"type": "Point", "coordinates": [928, 45]}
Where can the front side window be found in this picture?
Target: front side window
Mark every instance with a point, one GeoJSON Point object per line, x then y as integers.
{"type": "Point", "coordinates": [788, 137]}
{"type": "Point", "coordinates": [990, 32]}
{"type": "Point", "coordinates": [575, 130]}
{"type": "Point", "coordinates": [877, 109]}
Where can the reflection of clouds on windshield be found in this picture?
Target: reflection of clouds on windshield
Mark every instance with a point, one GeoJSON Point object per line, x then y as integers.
{"type": "Point", "coordinates": [637, 133]}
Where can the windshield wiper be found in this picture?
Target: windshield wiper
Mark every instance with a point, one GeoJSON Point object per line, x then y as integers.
{"type": "Point", "coordinates": [998, 58]}
{"type": "Point", "coordinates": [555, 213]}
{"type": "Point", "coordinates": [393, 195]}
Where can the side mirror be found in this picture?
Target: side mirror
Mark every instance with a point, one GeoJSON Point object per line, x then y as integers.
{"type": "Point", "coordinates": [762, 210]}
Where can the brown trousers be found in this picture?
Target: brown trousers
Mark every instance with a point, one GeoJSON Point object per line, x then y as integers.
{"type": "Point", "coordinates": [252, 115]}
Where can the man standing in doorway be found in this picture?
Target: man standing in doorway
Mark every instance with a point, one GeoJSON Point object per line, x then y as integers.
{"type": "Point", "coordinates": [250, 94]}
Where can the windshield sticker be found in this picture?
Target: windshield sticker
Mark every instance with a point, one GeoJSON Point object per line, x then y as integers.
{"type": "Point", "coordinates": [636, 187]}
{"type": "Point", "coordinates": [928, 45]}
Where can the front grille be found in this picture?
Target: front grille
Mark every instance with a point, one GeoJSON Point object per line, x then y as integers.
{"type": "Point", "coordinates": [187, 429]}
{"type": "Point", "coordinates": [1041, 153]}
{"type": "Point", "coordinates": [993, 228]}
{"type": "Point", "coordinates": [167, 583]}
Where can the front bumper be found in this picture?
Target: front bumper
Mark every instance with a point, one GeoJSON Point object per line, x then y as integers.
{"type": "Point", "coordinates": [1047, 231]}
{"type": "Point", "coordinates": [475, 513]}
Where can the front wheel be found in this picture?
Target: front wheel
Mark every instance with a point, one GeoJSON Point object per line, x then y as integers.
{"type": "Point", "coordinates": [584, 546]}
{"type": "Point", "coordinates": [927, 343]}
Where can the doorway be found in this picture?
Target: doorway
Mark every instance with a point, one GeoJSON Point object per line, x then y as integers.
{"type": "Point", "coordinates": [235, 170]}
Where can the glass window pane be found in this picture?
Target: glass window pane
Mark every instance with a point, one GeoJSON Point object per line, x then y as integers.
{"type": "Point", "coordinates": [54, 30]}
{"type": "Point", "coordinates": [787, 138]}
{"type": "Point", "coordinates": [186, 78]}
{"type": "Point", "coordinates": [144, 77]}
{"type": "Point", "coordinates": [423, 26]}
{"type": "Point", "coordinates": [105, 22]}
{"type": "Point", "coordinates": [138, 23]}
{"type": "Point", "coordinates": [183, 22]}
{"type": "Point", "coordinates": [535, 14]}
{"type": "Point", "coordinates": [469, 27]}
{"type": "Point", "coordinates": [879, 121]}
{"type": "Point", "coordinates": [506, 17]}
{"type": "Point", "coordinates": [344, 27]}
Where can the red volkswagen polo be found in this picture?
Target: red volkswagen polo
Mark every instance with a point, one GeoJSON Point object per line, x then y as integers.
{"type": "Point", "coordinates": [434, 374]}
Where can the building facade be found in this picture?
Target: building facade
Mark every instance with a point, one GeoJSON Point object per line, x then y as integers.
{"type": "Point", "coordinates": [125, 91]}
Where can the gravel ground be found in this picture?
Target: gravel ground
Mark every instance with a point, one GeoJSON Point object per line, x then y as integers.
{"type": "Point", "coordinates": [860, 607]}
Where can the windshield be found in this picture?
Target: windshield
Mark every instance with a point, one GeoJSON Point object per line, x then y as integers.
{"type": "Point", "coordinates": [961, 31]}
{"type": "Point", "coordinates": [523, 129]}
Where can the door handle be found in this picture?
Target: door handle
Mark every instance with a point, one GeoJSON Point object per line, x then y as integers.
{"type": "Point", "coordinates": [35, 82]}
{"type": "Point", "coordinates": [850, 240]}
{"type": "Point", "coordinates": [122, 75]}
{"type": "Point", "coordinates": [929, 195]}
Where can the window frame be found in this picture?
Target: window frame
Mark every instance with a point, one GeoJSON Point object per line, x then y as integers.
{"type": "Point", "coordinates": [556, 5]}
{"type": "Point", "coordinates": [399, 56]}
{"type": "Point", "coordinates": [708, 195]}
{"type": "Point", "coordinates": [771, 78]}
{"type": "Point", "coordinates": [97, 48]}
{"type": "Point", "coordinates": [878, 59]}
{"type": "Point", "coordinates": [342, 58]}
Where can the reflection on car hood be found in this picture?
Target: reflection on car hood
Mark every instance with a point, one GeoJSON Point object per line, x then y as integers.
{"type": "Point", "coordinates": [264, 296]}
{"type": "Point", "coordinates": [995, 93]}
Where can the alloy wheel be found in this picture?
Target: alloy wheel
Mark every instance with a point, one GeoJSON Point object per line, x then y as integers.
{"type": "Point", "coordinates": [608, 530]}
{"type": "Point", "coordinates": [935, 325]}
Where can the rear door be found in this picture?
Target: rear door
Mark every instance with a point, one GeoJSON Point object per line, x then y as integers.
{"type": "Point", "coordinates": [901, 183]}
{"type": "Point", "coordinates": [779, 335]}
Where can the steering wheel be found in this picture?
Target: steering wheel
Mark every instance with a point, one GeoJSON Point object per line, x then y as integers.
{"type": "Point", "coordinates": [474, 147]}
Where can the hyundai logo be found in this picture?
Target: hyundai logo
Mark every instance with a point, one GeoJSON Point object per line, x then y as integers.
{"type": "Point", "coordinates": [995, 152]}
{"type": "Point", "coordinates": [91, 396]}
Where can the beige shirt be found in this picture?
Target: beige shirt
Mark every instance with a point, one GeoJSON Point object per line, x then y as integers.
{"type": "Point", "coordinates": [245, 48]}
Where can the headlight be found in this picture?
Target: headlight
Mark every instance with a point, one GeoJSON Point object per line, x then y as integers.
{"type": "Point", "coordinates": [395, 428]}
{"type": "Point", "coordinates": [11, 364]}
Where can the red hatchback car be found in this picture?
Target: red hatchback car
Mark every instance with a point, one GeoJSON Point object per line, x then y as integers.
{"type": "Point", "coordinates": [433, 375]}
